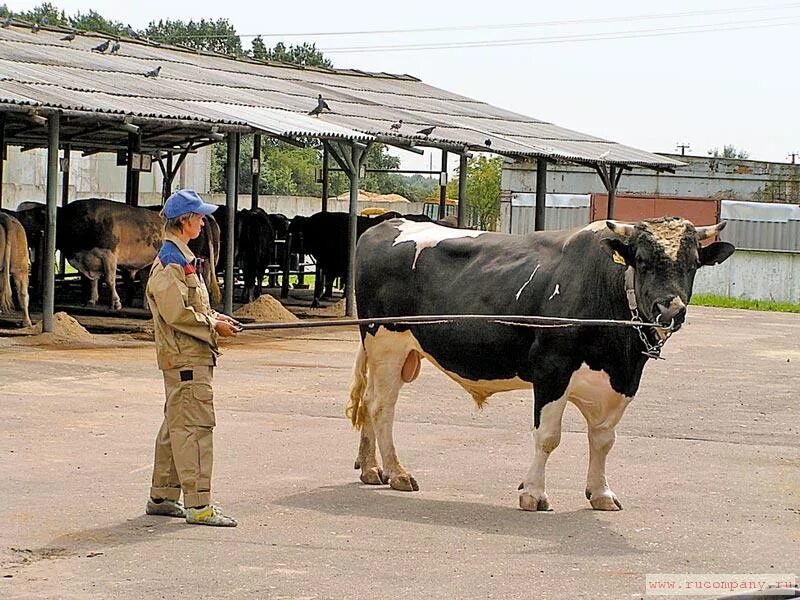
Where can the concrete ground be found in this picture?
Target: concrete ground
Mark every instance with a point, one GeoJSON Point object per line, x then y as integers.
{"type": "Point", "coordinates": [707, 466]}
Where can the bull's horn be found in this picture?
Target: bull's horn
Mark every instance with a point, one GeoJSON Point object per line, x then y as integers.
{"type": "Point", "coordinates": [621, 229]}
{"type": "Point", "coordinates": [709, 231]}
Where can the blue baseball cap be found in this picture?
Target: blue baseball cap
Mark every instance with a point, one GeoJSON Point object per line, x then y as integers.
{"type": "Point", "coordinates": [184, 202]}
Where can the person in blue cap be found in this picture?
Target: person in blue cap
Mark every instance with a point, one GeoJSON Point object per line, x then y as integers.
{"type": "Point", "coordinates": [186, 331]}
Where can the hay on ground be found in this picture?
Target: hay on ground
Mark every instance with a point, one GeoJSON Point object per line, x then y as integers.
{"type": "Point", "coordinates": [266, 309]}
{"type": "Point", "coordinates": [66, 330]}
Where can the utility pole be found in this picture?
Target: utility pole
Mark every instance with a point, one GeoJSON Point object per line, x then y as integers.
{"type": "Point", "coordinates": [683, 148]}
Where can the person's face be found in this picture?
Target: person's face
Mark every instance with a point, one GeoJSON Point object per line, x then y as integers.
{"type": "Point", "coordinates": [193, 225]}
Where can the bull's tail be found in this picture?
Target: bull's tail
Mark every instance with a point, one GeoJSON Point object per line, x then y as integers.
{"type": "Point", "coordinates": [211, 271]}
{"type": "Point", "coordinates": [355, 410]}
{"type": "Point", "coordinates": [6, 299]}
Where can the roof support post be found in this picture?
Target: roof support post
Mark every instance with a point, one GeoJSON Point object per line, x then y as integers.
{"type": "Point", "coordinates": [132, 177]}
{"type": "Point", "coordinates": [443, 187]}
{"type": "Point", "coordinates": [325, 172]}
{"type": "Point", "coordinates": [351, 160]}
{"type": "Point", "coordinates": [230, 209]}
{"type": "Point", "coordinates": [2, 153]}
{"type": "Point", "coordinates": [541, 194]}
{"type": "Point", "coordinates": [167, 173]}
{"type": "Point", "coordinates": [610, 177]}
{"type": "Point", "coordinates": [65, 160]}
{"type": "Point", "coordinates": [49, 258]}
{"type": "Point", "coordinates": [462, 190]}
{"type": "Point", "coordinates": [255, 168]}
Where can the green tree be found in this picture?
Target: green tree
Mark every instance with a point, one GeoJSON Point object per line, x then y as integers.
{"type": "Point", "coordinates": [45, 10]}
{"type": "Point", "coordinates": [213, 36]}
{"type": "Point", "coordinates": [93, 21]}
{"type": "Point", "coordinates": [304, 54]}
{"type": "Point", "coordinates": [729, 151]}
{"type": "Point", "coordinates": [483, 191]}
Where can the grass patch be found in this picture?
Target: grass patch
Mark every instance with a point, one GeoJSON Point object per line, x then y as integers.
{"type": "Point", "coordinates": [725, 302]}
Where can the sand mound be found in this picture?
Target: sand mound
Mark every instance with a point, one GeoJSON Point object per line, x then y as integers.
{"type": "Point", "coordinates": [66, 330]}
{"type": "Point", "coordinates": [266, 308]}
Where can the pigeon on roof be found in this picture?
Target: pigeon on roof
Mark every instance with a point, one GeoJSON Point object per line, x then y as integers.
{"type": "Point", "coordinates": [487, 142]}
{"type": "Point", "coordinates": [115, 47]}
{"type": "Point", "coordinates": [7, 21]}
{"type": "Point", "coordinates": [131, 32]}
{"type": "Point", "coordinates": [427, 130]}
{"type": "Point", "coordinates": [321, 105]}
{"type": "Point", "coordinates": [38, 25]}
{"type": "Point", "coordinates": [153, 72]}
{"type": "Point", "coordinates": [604, 155]}
{"type": "Point", "coordinates": [69, 37]}
{"type": "Point", "coordinates": [396, 126]}
{"type": "Point", "coordinates": [102, 47]}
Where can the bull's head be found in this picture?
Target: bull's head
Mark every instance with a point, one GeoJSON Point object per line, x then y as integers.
{"type": "Point", "coordinates": [665, 254]}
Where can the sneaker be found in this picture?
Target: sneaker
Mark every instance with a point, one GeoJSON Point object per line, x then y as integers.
{"type": "Point", "coordinates": [209, 515]}
{"type": "Point", "coordinates": [165, 508]}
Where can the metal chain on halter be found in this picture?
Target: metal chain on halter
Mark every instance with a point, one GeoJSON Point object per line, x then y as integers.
{"type": "Point", "coordinates": [651, 350]}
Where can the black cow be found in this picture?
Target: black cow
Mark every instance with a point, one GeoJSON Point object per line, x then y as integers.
{"type": "Point", "coordinates": [255, 242]}
{"type": "Point", "coordinates": [325, 236]}
{"type": "Point", "coordinates": [406, 268]}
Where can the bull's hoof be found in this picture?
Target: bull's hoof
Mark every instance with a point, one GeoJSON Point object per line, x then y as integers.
{"type": "Point", "coordinates": [116, 306]}
{"type": "Point", "coordinates": [404, 483]}
{"type": "Point", "coordinates": [604, 502]}
{"type": "Point", "coordinates": [373, 476]}
{"type": "Point", "coordinates": [528, 502]}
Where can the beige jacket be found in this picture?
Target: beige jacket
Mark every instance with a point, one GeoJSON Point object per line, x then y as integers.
{"type": "Point", "coordinates": [183, 320]}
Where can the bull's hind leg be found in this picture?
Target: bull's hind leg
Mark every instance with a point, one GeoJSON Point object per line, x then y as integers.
{"type": "Point", "coordinates": [387, 354]}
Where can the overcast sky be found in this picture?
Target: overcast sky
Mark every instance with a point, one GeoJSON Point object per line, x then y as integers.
{"type": "Point", "coordinates": [735, 79]}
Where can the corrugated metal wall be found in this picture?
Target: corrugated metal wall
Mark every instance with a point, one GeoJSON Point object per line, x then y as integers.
{"type": "Point", "coordinates": [761, 226]}
{"type": "Point", "coordinates": [564, 211]}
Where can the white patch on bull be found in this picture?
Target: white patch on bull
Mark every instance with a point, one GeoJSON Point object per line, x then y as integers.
{"type": "Point", "coordinates": [594, 226]}
{"type": "Point", "coordinates": [524, 285]}
{"type": "Point", "coordinates": [668, 235]}
{"type": "Point", "coordinates": [428, 235]}
{"type": "Point", "coordinates": [555, 293]}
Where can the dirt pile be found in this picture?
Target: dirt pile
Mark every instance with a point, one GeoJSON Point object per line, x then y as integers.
{"type": "Point", "coordinates": [66, 330]}
{"type": "Point", "coordinates": [266, 309]}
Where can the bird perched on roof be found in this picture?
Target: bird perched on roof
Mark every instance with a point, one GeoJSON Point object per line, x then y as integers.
{"type": "Point", "coordinates": [69, 37]}
{"type": "Point", "coordinates": [102, 47]}
{"type": "Point", "coordinates": [7, 21]}
{"type": "Point", "coordinates": [487, 142]}
{"type": "Point", "coordinates": [114, 48]}
{"type": "Point", "coordinates": [38, 25]}
{"type": "Point", "coordinates": [427, 130]}
{"type": "Point", "coordinates": [604, 155]}
{"type": "Point", "coordinates": [396, 126]}
{"type": "Point", "coordinates": [321, 105]}
{"type": "Point", "coordinates": [131, 32]}
{"type": "Point", "coordinates": [153, 72]}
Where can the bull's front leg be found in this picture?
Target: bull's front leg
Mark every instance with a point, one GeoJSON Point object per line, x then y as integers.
{"type": "Point", "coordinates": [602, 416]}
{"type": "Point", "coordinates": [546, 437]}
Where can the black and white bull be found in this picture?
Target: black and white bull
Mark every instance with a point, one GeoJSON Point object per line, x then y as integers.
{"type": "Point", "coordinates": [405, 268]}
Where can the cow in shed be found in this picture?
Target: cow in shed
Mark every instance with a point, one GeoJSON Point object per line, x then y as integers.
{"type": "Point", "coordinates": [14, 266]}
{"type": "Point", "coordinates": [255, 241]}
{"type": "Point", "coordinates": [325, 237]}
{"type": "Point", "coordinates": [607, 270]}
{"type": "Point", "coordinates": [97, 236]}
{"type": "Point", "coordinates": [207, 247]}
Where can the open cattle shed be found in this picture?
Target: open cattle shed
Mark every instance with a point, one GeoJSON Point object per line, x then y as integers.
{"type": "Point", "coordinates": [147, 101]}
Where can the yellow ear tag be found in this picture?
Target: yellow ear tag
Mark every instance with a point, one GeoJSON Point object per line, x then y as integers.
{"type": "Point", "coordinates": [617, 257]}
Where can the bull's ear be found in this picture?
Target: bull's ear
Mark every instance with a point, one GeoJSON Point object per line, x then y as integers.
{"type": "Point", "coordinates": [715, 253]}
{"type": "Point", "coordinates": [620, 251]}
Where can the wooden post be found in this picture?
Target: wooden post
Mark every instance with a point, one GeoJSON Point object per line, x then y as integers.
{"type": "Point", "coordinates": [49, 258]}
{"type": "Point", "coordinates": [541, 194]}
{"type": "Point", "coordinates": [256, 173]}
{"type": "Point", "coordinates": [230, 208]}
{"type": "Point", "coordinates": [462, 190]}
{"type": "Point", "coordinates": [443, 187]}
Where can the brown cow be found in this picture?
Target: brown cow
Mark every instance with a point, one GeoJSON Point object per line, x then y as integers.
{"type": "Point", "coordinates": [14, 264]}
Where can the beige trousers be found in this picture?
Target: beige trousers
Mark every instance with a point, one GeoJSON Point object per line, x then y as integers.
{"type": "Point", "coordinates": [184, 446]}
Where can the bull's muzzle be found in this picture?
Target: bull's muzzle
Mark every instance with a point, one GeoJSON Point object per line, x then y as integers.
{"type": "Point", "coordinates": [670, 312]}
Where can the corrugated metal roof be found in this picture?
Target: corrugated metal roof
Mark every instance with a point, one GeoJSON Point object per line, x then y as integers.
{"type": "Point", "coordinates": [41, 70]}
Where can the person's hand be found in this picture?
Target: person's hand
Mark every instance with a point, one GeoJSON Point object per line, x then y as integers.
{"type": "Point", "coordinates": [226, 328]}
{"type": "Point", "coordinates": [224, 317]}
